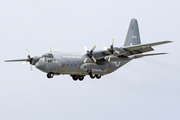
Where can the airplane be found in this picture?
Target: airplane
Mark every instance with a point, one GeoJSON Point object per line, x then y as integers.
{"type": "Point", "coordinates": [93, 63]}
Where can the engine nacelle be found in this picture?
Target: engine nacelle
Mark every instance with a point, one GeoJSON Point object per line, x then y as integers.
{"type": "Point", "coordinates": [120, 50]}
{"type": "Point", "coordinates": [35, 60]}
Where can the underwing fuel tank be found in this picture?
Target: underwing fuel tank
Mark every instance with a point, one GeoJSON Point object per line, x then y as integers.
{"type": "Point", "coordinates": [117, 59]}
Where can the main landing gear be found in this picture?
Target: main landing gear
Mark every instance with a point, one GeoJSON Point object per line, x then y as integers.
{"type": "Point", "coordinates": [50, 75]}
{"type": "Point", "coordinates": [92, 76]}
{"type": "Point", "coordinates": [76, 77]}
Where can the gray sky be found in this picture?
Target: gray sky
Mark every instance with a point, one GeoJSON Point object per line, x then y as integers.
{"type": "Point", "coordinates": [143, 89]}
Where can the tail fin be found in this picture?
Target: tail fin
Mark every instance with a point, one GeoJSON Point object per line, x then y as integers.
{"type": "Point", "coordinates": [133, 37]}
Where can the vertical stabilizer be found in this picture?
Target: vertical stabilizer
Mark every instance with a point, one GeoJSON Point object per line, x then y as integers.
{"type": "Point", "coordinates": [133, 37]}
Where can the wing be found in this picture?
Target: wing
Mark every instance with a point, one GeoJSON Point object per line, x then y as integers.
{"type": "Point", "coordinates": [137, 49]}
{"type": "Point", "coordinates": [128, 50]}
{"type": "Point", "coordinates": [16, 60]}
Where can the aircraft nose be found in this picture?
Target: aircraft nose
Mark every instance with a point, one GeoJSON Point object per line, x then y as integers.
{"type": "Point", "coordinates": [40, 65]}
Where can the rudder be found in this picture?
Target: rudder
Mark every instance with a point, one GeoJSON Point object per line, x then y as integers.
{"type": "Point", "coordinates": [133, 37]}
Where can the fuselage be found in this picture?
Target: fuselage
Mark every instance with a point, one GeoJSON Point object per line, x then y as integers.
{"type": "Point", "coordinates": [72, 63]}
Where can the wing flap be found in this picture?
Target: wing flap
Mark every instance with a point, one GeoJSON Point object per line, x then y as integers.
{"type": "Point", "coordinates": [138, 51]}
{"type": "Point", "coordinates": [142, 55]}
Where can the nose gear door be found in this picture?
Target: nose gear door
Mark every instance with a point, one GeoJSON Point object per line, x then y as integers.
{"type": "Point", "coordinates": [62, 67]}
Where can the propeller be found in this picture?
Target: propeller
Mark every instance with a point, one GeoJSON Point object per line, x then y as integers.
{"type": "Point", "coordinates": [111, 49]}
{"type": "Point", "coordinates": [89, 53]}
{"type": "Point", "coordinates": [32, 61]}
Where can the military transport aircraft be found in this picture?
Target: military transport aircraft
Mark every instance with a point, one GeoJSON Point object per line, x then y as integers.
{"type": "Point", "coordinates": [93, 63]}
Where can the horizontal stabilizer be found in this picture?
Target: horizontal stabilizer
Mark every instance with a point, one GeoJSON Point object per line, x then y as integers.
{"type": "Point", "coordinates": [142, 55]}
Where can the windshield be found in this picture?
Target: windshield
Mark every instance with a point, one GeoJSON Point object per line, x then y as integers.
{"type": "Point", "coordinates": [47, 56]}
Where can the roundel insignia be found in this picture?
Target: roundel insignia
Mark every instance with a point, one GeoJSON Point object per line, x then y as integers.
{"type": "Point", "coordinates": [117, 64]}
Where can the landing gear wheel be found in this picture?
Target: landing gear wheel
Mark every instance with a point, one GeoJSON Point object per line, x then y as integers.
{"type": "Point", "coordinates": [92, 75]}
{"type": "Point", "coordinates": [98, 76]}
{"type": "Point", "coordinates": [74, 77]}
{"type": "Point", "coordinates": [81, 78]}
{"type": "Point", "coordinates": [49, 75]}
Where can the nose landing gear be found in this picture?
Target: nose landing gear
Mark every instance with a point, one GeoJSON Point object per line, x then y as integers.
{"type": "Point", "coordinates": [50, 75]}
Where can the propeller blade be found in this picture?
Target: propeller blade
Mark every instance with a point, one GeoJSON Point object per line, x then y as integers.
{"type": "Point", "coordinates": [93, 48]}
{"type": "Point", "coordinates": [24, 63]}
{"type": "Point", "coordinates": [85, 48]}
{"type": "Point", "coordinates": [105, 48]}
{"type": "Point", "coordinates": [49, 49]}
{"type": "Point", "coordinates": [85, 60]}
{"type": "Point", "coordinates": [112, 43]}
{"type": "Point", "coordinates": [94, 59]}
{"type": "Point", "coordinates": [27, 52]}
{"type": "Point", "coordinates": [117, 52]}
{"type": "Point", "coordinates": [16, 60]}
{"type": "Point", "coordinates": [31, 67]}
{"type": "Point", "coordinates": [109, 59]}
{"type": "Point", "coordinates": [35, 57]}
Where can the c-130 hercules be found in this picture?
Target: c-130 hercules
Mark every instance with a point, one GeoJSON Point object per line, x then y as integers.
{"type": "Point", "coordinates": [93, 63]}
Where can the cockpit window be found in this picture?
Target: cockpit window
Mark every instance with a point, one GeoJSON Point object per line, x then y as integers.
{"type": "Point", "coordinates": [48, 56]}
{"type": "Point", "coordinates": [49, 61]}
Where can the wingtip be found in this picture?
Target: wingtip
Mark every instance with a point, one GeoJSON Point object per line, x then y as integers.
{"type": "Point", "coordinates": [168, 41]}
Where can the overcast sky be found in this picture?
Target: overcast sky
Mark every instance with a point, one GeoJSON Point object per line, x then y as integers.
{"type": "Point", "coordinates": [144, 89]}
